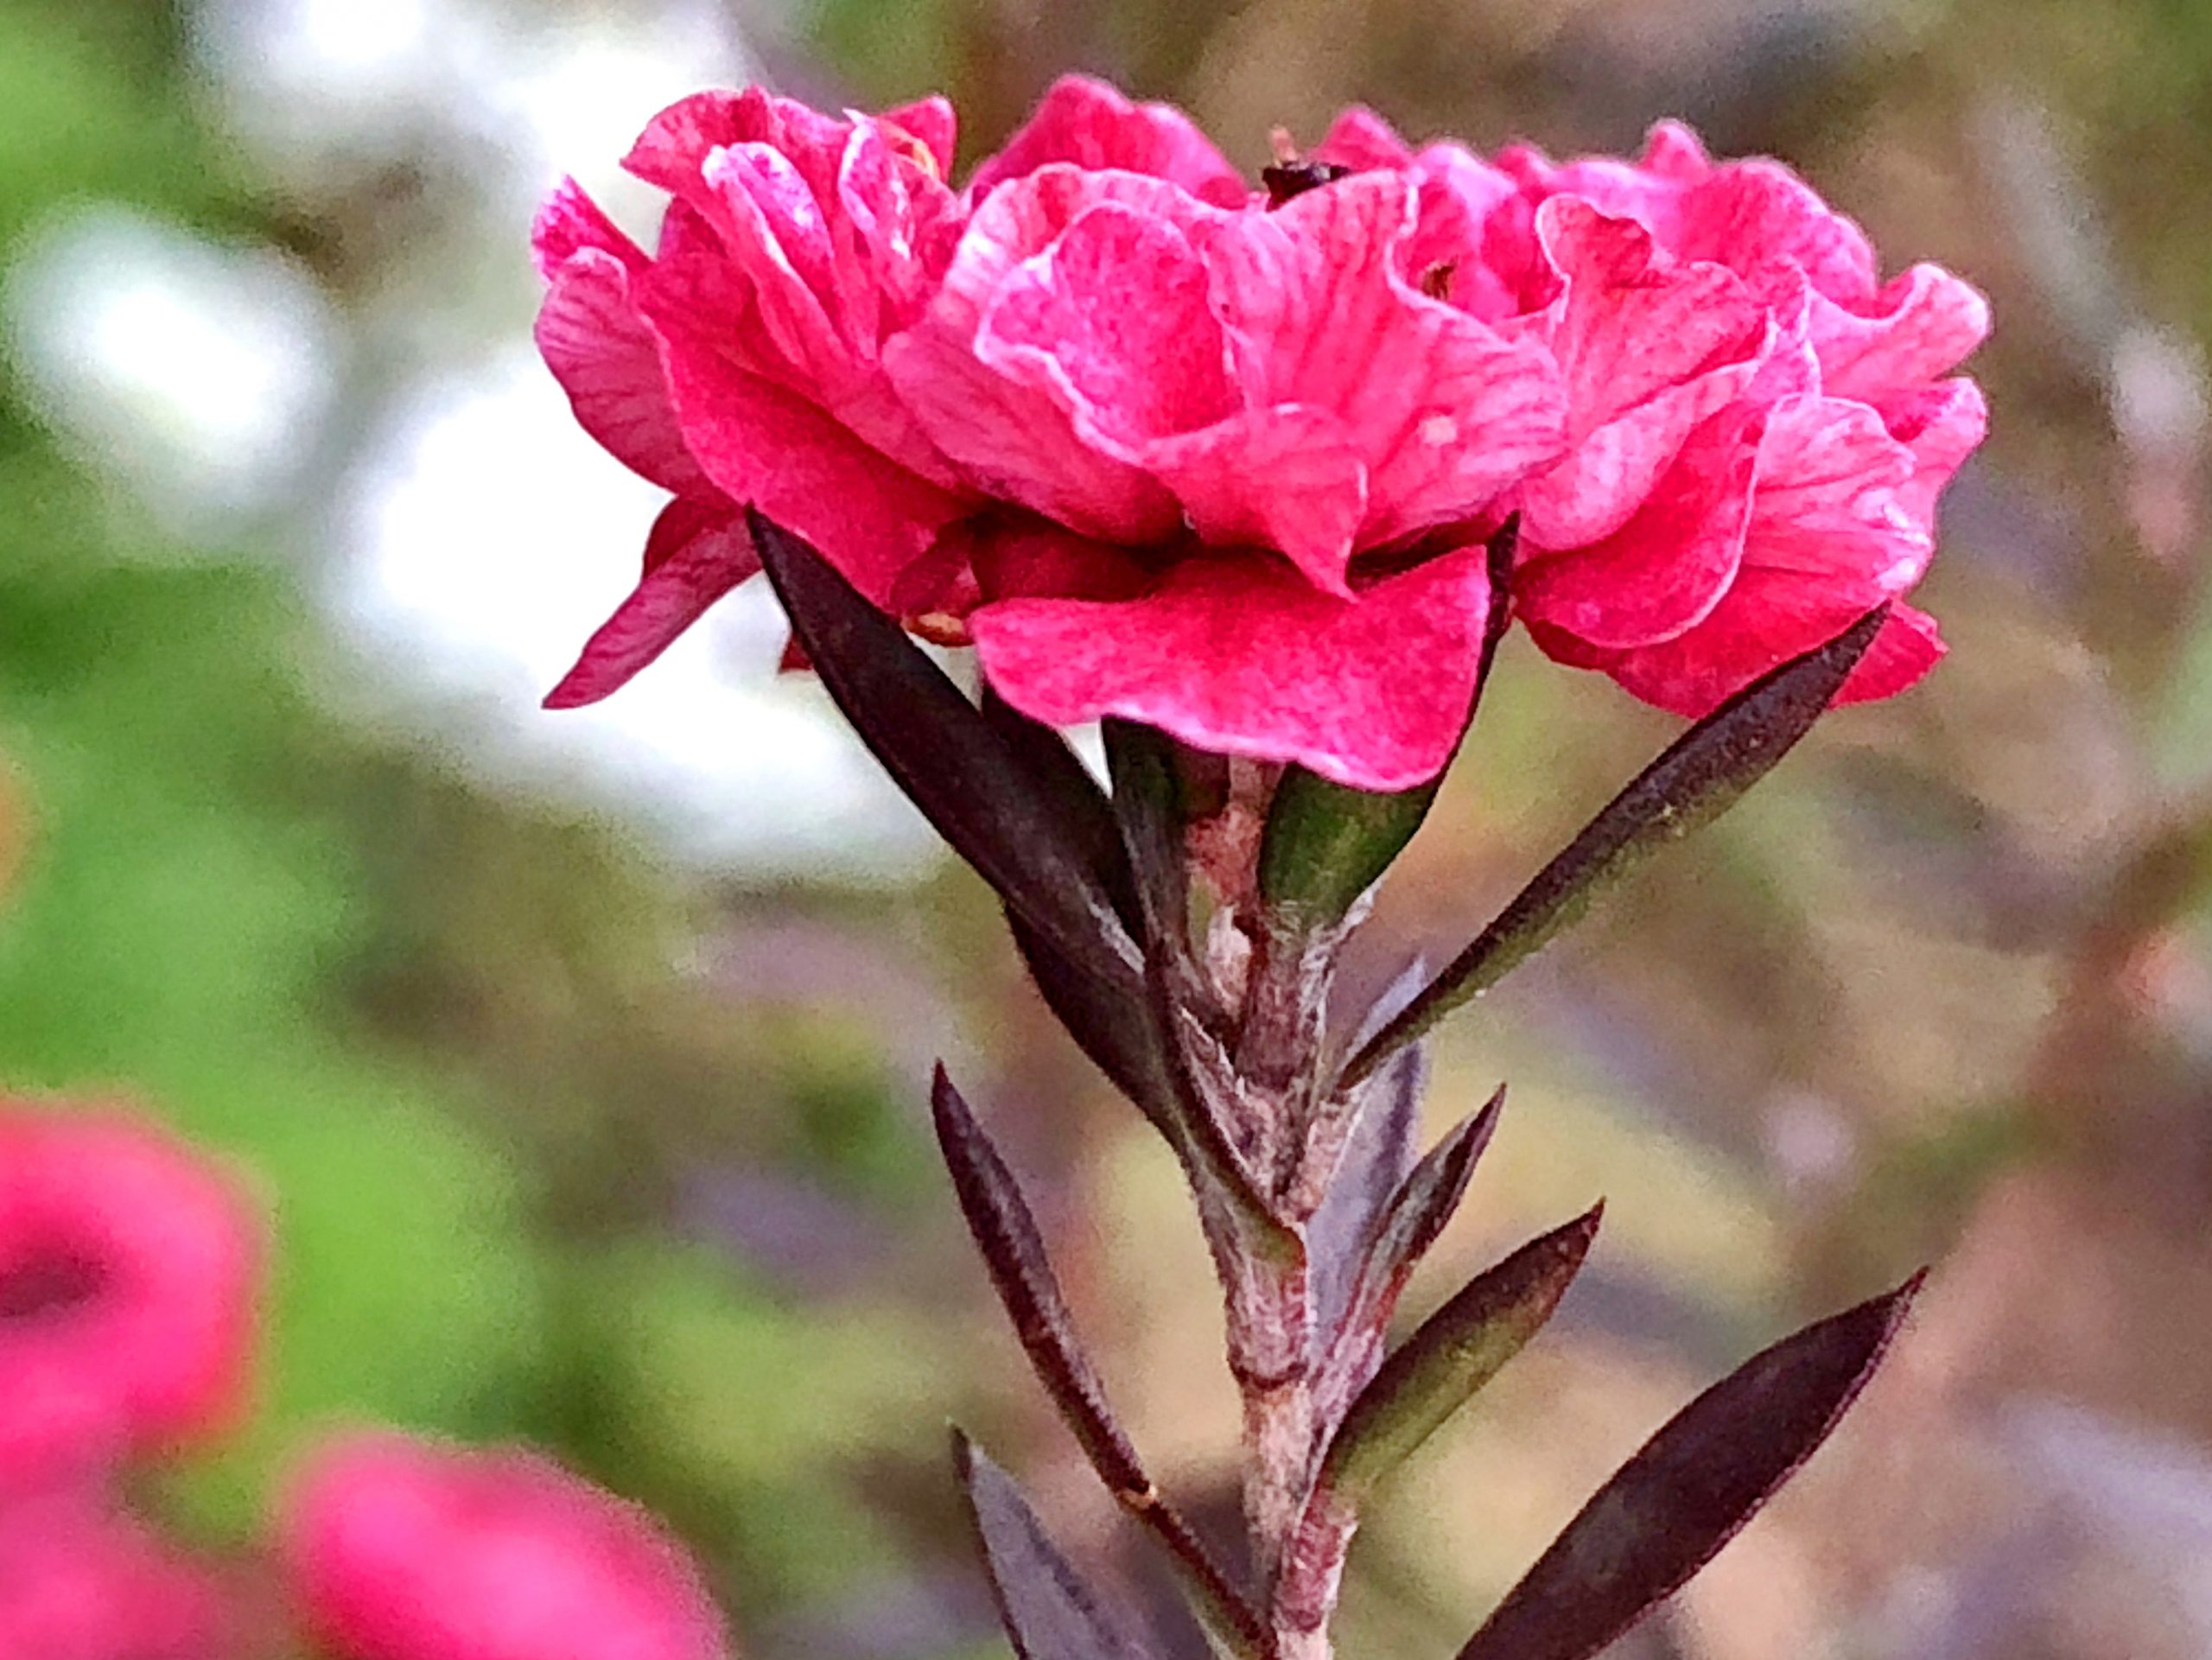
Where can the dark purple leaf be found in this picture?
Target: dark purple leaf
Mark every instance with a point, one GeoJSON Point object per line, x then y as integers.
{"type": "Point", "coordinates": [1676, 1503]}
{"type": "Point", "coordinates": [1026, 837]}
{"type": "Point", "coordinates": [1454, 1352]}
{"type": "Point", "coordinates": [1115, 1030]}
{"type": "Point", "coordinates": [1378, 1153]}
{"type": "Point", "coordinates": [1049, 1611]}
{"type": "Point", "coordinates": [1413, 1217]}
{"type": "Point", "coordinates": [1427, 1198]}
{"type": "Point", "coordinates": [1088, 813]}
{"type": "Point", "coordinates": [1701, 775]}
{"type": "Point", "coordinates": [1013, 1252]}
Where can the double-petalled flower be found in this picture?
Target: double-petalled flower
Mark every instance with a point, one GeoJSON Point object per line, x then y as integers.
{"type": "Point", "coordinates": [1224, 462]}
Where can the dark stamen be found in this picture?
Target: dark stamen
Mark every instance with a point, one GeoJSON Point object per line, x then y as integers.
{"type": "Point", "coordinates": [1289, 179]}
{"type": "Point", "coordinates": [48, 1284]}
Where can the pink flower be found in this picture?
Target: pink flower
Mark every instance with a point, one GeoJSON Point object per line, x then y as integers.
{"type": "Point", "coordinates": [1758, 428]}
{"type": "Point", "coordinates": [128, 1274]}
{"type": "Point", "coordinates": [1226, 462]}
{"type": "Point", "coordinates": [80, 1580]}
{"type": "Point", "coordinates": [741, 363]}
{"type": "Point", "coordinates": [1158, 450]}
{"type": "Point", "coordinates": [402, 1549]}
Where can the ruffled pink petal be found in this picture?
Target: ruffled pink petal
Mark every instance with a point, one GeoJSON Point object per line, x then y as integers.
{"type": "Point", "coordinates": [1763, 220]}
{"type": "Point", "coordinates": [607, 361]}
{"type": "Point", "coordinates": [1668, 568]}
{"type": "Point", "coordinates": [1828, 503]}
{"type": "Point", "coordinates": [1608, 477]}
{"type": "Point", "coordinates": [697, 552]}
{"type": "Point", "coordinates": [1014, 442]}
{"type": "Point", "coordinates": [1769, 617]}
{"type": "Point", "coordinates": [1461, 198]}
{"type": "Point", "coordinates": [569, 222]}
{"type": "Point", "coordinates": [1623, 189]}
{"type": "Point", "coordinates": [1673, 153]}
{"type": "Point", "coordinates": [1362, 141]}
{"type": "Point", "coordinates": [1632, 322]}
{"type": "Point", "coordinates": [1909, 646]}
{"type": "Point", "coordinates": [1444, 412]}
{"type": "Point", "coordinates": [1239, 655]}
{"type": "Point", "coordinates": [882, 280]}
{"type": "Point", "coordinates": [694, 283]}
{"type": "Point", "coordinates": [1114, 316]}
{"type": "Point", "coordinates": [1650, 349]}
{"type": "Point", "coordinates": [1941, 427]}
{"type": "Point", "coordinates": [1920, 326]}
{"type": "Point", "coordinates": [1757, 216]}
{"type": "Point", "coordinates": [1460, 195]}
{"type": "Point", "coordinates": [775, 234]}
{"type": "Point", "coordinates": [931, 121]}
{"type": "Point", "coordinates": [763, 444]}
{"type": "Point", "coordinates": [672, 151]}
{"type": "Point", "coordinates": [1290, 478]}
{"type": "Point", "coordinates": [1015, 438]}
{"type": "Point", "coordinates": [1090, 125]}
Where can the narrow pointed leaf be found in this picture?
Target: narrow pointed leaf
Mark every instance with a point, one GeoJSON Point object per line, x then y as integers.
{"type": "Point", "coordinates": [1676, 1503]}
{"type": "Point", "coordinates": [1148, 803]}
{"type": "Point", "coordinates": [1456, 1351]}
{"type": "Point", "coordinates": [1023, 837]}
{"type": "Point", "coordinates": [1413, 1218]}
{"type": "Point", "coordinates": [1701, 775]}
{"type": "Point", "coordinates": [1049, 1611]}
{"type": "Point", "coordinates": [1504, 551]}
{"type": "Point", "coordinates": [1429, 1196]}
{"type": "Point", "coordinates": [1013, 1252]}
{"type": "Point", "coordinates": [1089, 815]}
{"type": "Point", "coordinates": [1379, 1153]}
{"type": "Point", "coordinates": [1114, 1028]}
{"type": "Point", "coordinates": [1325, 844]}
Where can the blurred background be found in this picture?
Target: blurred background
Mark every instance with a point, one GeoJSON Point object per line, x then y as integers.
{"type": "Point", "coordinates": [581, 1058]}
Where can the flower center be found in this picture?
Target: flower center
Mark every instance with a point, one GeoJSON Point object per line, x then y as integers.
{"type": "Point", "coordinates": [47, 1283]}
{"type": "Point", "coordinates": [1287, 180]}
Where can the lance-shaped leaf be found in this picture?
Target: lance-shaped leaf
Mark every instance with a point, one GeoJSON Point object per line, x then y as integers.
{"type": "Point", "coordinates": [1415, 1215]}
{"type": "Point", "coordinates": [1148, 803]}
{"type": "Point", "coordinates": [1325, 844]}
{"type": "Point", "coordinates": [1701, 775]}
{"type": "Point", "coordinates": [1113, 1029]}
{"type": "Point", "coordinates": [1048, 1609]}
{"type": "Point", "coordinates": [1378, 1154]}
{"type": "Point", "coordinates": [1087, 813]}
{"type": "Point", "coordinates": [1023, 837]}
{"type": "Point", "coordinates": [1676, 1503]}
{"type": "Point", "coordinates": [1013, 1252]}
{"type": "Point", "coordinates": [1456, 1351]}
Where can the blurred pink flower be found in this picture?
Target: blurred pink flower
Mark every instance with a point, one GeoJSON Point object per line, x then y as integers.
{"type": "Point", "coordinates": [80, 1580]}
{"type": "Point", "coordinates": [402, 1549]}
{"type": "Point", "coordinates": [1224, 463]}
{"type": "Point", "coordinates": [1758, 427]}
{"type": "Point", "coordinates": [128, 1279]}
